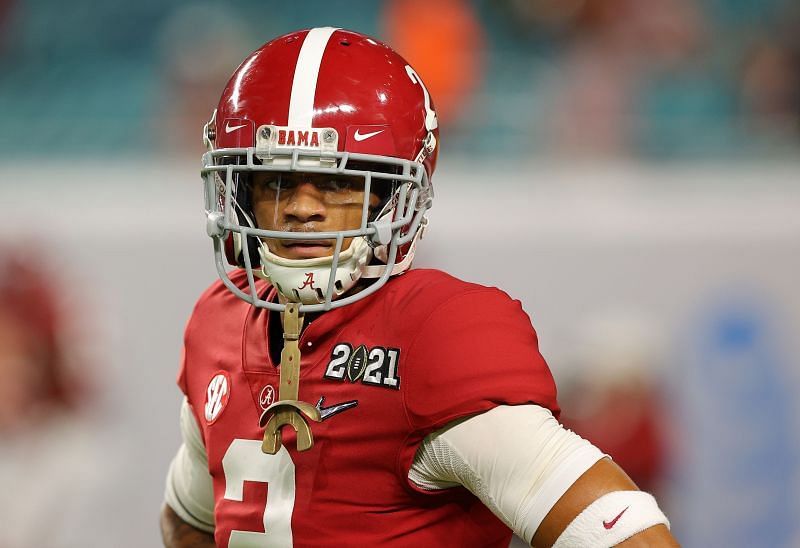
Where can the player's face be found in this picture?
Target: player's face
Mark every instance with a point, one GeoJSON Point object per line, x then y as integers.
{"type": "Point", "coordinates": [302, 202]}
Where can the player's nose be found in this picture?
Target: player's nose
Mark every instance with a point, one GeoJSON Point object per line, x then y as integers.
{"type": "Point", "coordinates": [306, 204]}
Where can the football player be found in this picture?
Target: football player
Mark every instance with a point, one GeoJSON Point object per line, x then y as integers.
{"type": "Point", "coordinates": [333, 395]}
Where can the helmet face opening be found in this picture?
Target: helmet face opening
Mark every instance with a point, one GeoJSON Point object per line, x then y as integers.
{"type": "Point", "coordinates": [354, 127]}
{"type": "Point", "coordinates": [368, 250]}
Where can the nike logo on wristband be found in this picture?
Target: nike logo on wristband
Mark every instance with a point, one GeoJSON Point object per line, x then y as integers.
{"type": "Point", "coordinates": [613, 522]}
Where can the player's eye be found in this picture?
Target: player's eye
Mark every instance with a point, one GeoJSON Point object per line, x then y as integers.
{"type": "Point", "coordinates": [340, 184]}
{"type": "Point", "coordinates": [273, 182]}
{"type": "Point", "coordinates": [336, 184]}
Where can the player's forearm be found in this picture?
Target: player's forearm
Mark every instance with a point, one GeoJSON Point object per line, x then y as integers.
{"type": "Point", "coordinates": [176, 533]}
{"type": "Point", "coordinates": [602, 478]}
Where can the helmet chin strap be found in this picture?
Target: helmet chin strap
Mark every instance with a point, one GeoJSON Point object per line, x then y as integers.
{"type": "Point", "coordinates": [306, 280]}
{"type": "Point", "coordinates": [382, 254]}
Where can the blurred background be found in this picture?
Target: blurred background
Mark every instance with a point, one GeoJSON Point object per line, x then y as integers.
{"type": "Point", "coordinates": [628, 169]}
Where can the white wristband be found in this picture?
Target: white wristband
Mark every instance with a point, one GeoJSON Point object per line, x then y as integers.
{"type": "Point", "coordinates": [611, 519]}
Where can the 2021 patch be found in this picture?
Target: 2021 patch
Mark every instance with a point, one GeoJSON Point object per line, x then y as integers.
{"type": "Point", "coordinates": [376, 366]}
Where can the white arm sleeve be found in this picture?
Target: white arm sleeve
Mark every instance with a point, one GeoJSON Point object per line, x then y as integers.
{"type": "Point", "coordinates": [518, 460]}
{"type": "Point", "coordinates": [189, 488]}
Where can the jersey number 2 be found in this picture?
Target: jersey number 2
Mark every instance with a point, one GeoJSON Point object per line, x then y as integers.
{"type": "Point", "coordinates": [244, 461]}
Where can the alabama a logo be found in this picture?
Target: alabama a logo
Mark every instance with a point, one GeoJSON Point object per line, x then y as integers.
{"type": "Point", "coordinates": [217, 395]}
{"type": "Point", "coordinates": [309, 281]}
{"type": "Point", "coordinates": [376, 366]}
{"type": "Point", "coordinates": [267, 396]}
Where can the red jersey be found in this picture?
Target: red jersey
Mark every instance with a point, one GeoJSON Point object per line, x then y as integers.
{"type": "Point", "coordinates": [385, 371]}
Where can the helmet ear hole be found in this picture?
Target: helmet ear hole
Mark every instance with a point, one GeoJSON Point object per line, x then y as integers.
{"type": "Point", "coordinates": [320, 294]}
{"type": "Point", "coordinates": [338, 285]}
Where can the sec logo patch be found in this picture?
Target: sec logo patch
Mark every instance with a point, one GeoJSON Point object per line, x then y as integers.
{"type": "Point", "coordinates": [217, 395]}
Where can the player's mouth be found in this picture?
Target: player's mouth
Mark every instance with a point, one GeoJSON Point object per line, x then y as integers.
{"type": "Point", "coordinates": [306, 249]}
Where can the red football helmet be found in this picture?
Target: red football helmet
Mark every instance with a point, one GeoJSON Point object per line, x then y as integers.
{"type": "Point", "coordinates": [332, 102]}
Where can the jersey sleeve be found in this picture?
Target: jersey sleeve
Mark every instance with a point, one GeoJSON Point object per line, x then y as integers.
{"type": "Point", "coordinates": [475, 351]}
{"type": "Point", "coordinates": [181, 379]}
{"type": "Point", "coordinates": [189, 490]}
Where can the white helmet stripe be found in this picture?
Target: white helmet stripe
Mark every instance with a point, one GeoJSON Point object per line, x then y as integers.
{"type": "Point", "coordinates": [304, 85]}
